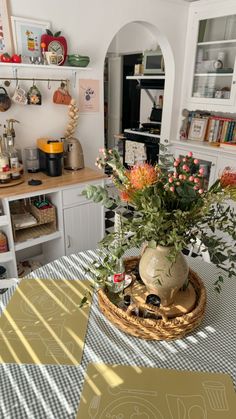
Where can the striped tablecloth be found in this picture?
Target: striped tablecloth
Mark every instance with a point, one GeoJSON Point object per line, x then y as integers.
{"type": "Point", "coordinates": [30, 391]}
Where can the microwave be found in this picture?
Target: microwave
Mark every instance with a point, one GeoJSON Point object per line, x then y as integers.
{"type": "Point", "coordinates": [153, 62]}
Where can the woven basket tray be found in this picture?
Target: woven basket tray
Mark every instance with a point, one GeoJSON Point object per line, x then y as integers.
{"type": "Point", "coordinates": [47, 215]}
{"type": "Point", "coordinates": [151, 329]}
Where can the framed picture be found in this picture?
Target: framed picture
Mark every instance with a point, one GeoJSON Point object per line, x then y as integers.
{"type": "Point", "coordinates": [88, 95]}
{"type": "Point", "coordinates": [197, 129]}
{"type": "Point", "coordinates": [27, 35]}
{"type": "Point", "coordinates": [5, 29]}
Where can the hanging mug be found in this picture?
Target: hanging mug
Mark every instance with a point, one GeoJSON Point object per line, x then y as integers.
{"type": "Point", "coordinates": [34, 96]}
{"type": "Point", "coordinates": [61, 96]}
{"type": "Point", "coordinates": [19, 96]}
{"type": "Point", "coordinates": [5, 101]}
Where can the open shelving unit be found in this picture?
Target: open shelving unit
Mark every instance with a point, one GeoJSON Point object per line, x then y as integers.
{"type": "Point", "coordinates": [42, 235]}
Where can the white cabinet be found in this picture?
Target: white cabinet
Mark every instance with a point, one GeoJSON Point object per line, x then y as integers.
{"type": "Point", "coordinates": [83, 227]}
{"type": "Point", "coordinates": [225, 161]}
{"type": "Point", "coordinates": [210, 70]}
{"type": "Point", "coordinates": [83, 221]}
{"type": "Point", "coordinates": [80, 226]}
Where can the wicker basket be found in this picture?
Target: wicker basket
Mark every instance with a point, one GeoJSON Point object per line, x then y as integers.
{"type": "Point", "coordinates": [151, 329]}
{"type": "Point", "coordinates": [46, 221]}
{"type": "Point", "coordinates": [44, 216]}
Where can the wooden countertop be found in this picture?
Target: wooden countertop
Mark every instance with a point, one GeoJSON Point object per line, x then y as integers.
{"type": "Point", "coordinates": [66, 179]}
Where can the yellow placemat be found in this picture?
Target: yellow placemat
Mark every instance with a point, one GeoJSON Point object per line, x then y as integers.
{"type": "Point", "coordinates": [43, 323]}
{"type": "Point", "coordinates": [125, 392]}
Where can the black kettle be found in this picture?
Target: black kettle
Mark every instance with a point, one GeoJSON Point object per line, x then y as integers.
{"type": "Point", "coordinates": [5, 101]}
{"type": "Point", "coordinates": [156, 113]}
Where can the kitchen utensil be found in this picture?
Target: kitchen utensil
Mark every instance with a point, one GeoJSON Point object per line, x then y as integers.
{"type": "Point", "coordinates": [94, 406]}
{"type": "Point", "coordinates": [156, 114]}
{"type": "Point", "coordinates": [74, 158]}
{"type": "Point", "coordinates": [31, 159]}
{"type": "Point", "coordinates": [5, 101]}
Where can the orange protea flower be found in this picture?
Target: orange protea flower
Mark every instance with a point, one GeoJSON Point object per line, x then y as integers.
{"type": "Point", "coordinates": [126, 195]}
{"type": "Point", "coordinates": [142, 175]}
{"type": "Point", "coordinates": [228, 178]}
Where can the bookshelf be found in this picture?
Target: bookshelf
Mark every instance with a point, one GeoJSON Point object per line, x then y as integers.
{"type": "Point", "coordinates": [211, 127]}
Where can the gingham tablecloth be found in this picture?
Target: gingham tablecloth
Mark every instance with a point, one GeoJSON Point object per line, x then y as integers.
{"type": "Point", "coordinates": [49, 391]}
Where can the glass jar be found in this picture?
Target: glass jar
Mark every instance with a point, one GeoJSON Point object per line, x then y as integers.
{"type": "Point", "coordinates": [5, 177]}
{"type": "Point", "coordinates": [155, 301]}
{"type": "Point", "coordinates": [3, 275]}
{"type": "Point", "coordinates": [3, 243]}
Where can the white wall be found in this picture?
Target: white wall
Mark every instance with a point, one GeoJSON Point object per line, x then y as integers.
{"type": "Point", "coordinates": [131, 39]}
{"type": "Point", "coordinates": [89, 26]}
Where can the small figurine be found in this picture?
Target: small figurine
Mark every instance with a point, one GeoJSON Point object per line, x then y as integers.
{"type": "Point", "coordinates": [184, 127]}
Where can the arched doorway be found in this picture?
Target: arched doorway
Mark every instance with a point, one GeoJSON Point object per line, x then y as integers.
{"type": "Point", "coordinates": [129, 44]}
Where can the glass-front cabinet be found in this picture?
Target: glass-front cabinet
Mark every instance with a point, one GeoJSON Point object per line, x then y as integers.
{"type": "Point", "coordinates": [214, 72]}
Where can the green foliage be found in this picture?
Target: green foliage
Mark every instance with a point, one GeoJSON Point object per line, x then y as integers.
{"type": "Point", "coordinates": [100, 194]}
{"type": "Point", "coordinates": [167, 215]}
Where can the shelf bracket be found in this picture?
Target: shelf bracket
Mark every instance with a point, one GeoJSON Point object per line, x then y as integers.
{"type": "Point", "coordinates": [153, 98]}
{"type": "Point", "coordinates": [75, 74]}
{"type": "Point", "coordinates": [14, 72]}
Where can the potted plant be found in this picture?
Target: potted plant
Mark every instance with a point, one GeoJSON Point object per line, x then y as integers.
{"type": "Point", "coordinates": [170, 211]}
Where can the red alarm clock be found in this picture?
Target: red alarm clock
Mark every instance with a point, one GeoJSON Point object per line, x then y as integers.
{"type": "Point", "coordinates": [55, 43]}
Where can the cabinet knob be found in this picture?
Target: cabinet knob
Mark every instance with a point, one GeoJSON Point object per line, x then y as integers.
{"type": "Point", "coordinates": [212, 164]}
{"type": "Point", "coordinates": [234, 81]}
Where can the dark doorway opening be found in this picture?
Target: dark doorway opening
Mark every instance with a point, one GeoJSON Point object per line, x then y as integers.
{"type": "Point", "coordinates": [131, 93]}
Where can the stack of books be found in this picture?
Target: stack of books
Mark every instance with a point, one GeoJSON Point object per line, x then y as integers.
{"type": "Point", "coordinates": [218, 129]}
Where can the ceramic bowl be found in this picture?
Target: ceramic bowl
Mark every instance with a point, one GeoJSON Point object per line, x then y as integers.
{"type": "Point", "coordinates": [77, 60]}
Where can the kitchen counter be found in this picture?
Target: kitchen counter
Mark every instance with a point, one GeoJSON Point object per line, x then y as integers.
{"type": "Point", "coordinates": [66, 179]}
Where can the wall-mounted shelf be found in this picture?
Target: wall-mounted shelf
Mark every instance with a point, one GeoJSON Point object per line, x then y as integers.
{"type": "Point", "coordinates": [44, 67]}
{"type": "Point", "coordinates": [213, 74]}
{"type": "Point", "coordinates": [17, 67]}
{"type": "Point", "coordinates": [161, 77]}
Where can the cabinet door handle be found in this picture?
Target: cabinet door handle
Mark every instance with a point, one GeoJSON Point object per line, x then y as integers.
{"type": "Point", "coordinates": [234, 81]}
{"type": "Point", "coordinates": [68, 245]}
{"type": "Point", "coordinates": [212, 164]}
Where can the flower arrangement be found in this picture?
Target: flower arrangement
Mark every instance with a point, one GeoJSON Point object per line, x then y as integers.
{"type": "Point", "coordinates": [170, 207]}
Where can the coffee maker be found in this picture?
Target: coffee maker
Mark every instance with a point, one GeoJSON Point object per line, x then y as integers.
{"type": "Point", "coordinates": [50, 156]}
{"type": "Point", "coordinates": [73, 157]}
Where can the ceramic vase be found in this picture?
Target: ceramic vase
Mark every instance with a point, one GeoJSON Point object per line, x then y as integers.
{"type": "Point", "coordinates": [161, 276]}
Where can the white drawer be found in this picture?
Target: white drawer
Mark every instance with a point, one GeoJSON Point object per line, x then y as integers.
{"type": "Point", "coordinates": [74, 196]}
